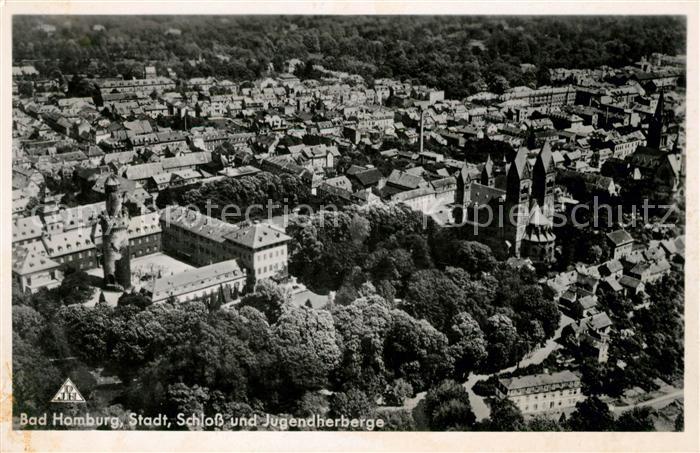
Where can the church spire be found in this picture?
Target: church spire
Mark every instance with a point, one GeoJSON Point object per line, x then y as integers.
{"type": "Point", "coordinates": [531, 141]}
{"type": "Point", "coordinates": [656, 125]}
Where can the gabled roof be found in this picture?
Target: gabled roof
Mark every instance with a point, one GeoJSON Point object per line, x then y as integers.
{"type": "Point", "coordinates": [71, 241]}
{"type": "Point", "coordinates": [599, 321]}
{"type": "Point", "coordinates": [195, 279]}
{"type": "Point", "coordinates": [30, 259]}
{"type": "Point", "coordinates": [368, 177]}
{"type": "Point", "coordinates": [143, 171]}
{"type": "Point", "coordinates": [480, 194]}
{"type": "Point", "coordinates": [613, 266]}
{"type": "Point", "coordinates": [257, 235]}
{"type": "Point", "coordinates": [619, 237]}
{"type": "Point", "coordinates": [612, 283]}
{"type": "Point", "coordinates": [26, 228]}
{"type": "Point", "coordinates": [405, 180]}
{"type": "Point", "coordinates": [629, 282]}
{"type": "Point", "coordinates": [535, 380]}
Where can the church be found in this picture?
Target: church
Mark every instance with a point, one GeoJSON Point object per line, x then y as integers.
{"type": "Point", "coordinates": [511, 208]}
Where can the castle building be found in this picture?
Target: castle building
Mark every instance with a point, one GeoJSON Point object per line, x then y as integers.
{"type": "Point", "coordinates": [195, 284]}
{"type": "Point", "coordinates": [114, 222]}
{"type": "Point", "coordinates": [260, 248]}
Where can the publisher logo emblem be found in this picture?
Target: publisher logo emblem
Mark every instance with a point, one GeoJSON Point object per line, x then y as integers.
{"type": "Point", "coordinates": [68, 393]}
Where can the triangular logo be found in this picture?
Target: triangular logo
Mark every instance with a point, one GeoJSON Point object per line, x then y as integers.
{"type": "Point", "coordinates": [68, 393]}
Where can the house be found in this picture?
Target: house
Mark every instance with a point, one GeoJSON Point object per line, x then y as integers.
{"type": "Point", "coordinates": [341, 182]}
{"type": "Point", "coordinates": [651, 271]}
{"type": "Point", "coordinates": [364, 178]}
{"type": "Point", "coordinates": [545, 394]}
{"type": "Point", "coordinates": [621, 242]}
{"type": "Point", "coordinates": [319, 157]}
{"type": "Point", "coordinates": [611, 284]}
{"type": "Point", "coordinates": [611, 268]}
{"type": "Point", "coordinates": [585, 307]}
{"type": "Point", "coordinates": [631, 285]}
{"type": "Point", "coordinates": [33, 269]}
{"type": "Point", "coordinates": [591, 335]}
{"type": "Point", "coordinates": [399, 181]}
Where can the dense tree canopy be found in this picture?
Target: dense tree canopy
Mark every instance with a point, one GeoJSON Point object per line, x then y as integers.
{"type": "Point", "coordinates": [459, 54]}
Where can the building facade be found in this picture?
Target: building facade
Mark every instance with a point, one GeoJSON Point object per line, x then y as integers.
{"type": "Point", "coordinates": [196, 284]}
{"type": "Point", "coordinates": [547, 394]}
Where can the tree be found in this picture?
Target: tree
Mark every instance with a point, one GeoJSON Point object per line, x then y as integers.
{"type": "Point", "coordinates": [361, 330]}
{"type": "Point", "coordinates": [502, 338]}
{"type": "Point", "coordinates": [542, 423]}
{"type": "Point", "coordinates": [399, 420]}
{"type": "Point", "coordinates": [133, 299]}
{"type": "Point", "coordinates": [678, 424]}
{"type": "Point", "coordinates": [34, 378]}
{"type": "Point", "coordinates": [505, 416]}
{"type": "Point", "coordinates": [352, 404]}
{"type": "Point", "coordinates": [396, 393]}
{"type": "Point", "coordinates": [75, 288]}
{"type": "Point", "coordinates": [468, 346]}
{"type": "Point", "coordinates": [305, 340]}
{"type": "Point", "coordinates": [27, 323]}
{"type": "Point", "coordinates": [25, 89]}
{"type": "Point", "coordinates": [415, 351]}
{"type": "Point", "coordinates": [637, 419]}
{"type": "Point", "coordinates": [591, 414]}
{"type": "Point", "coordinates": [268, 297]}
{"type": "Point", "coordinates": [183, 399]}
{"type": "Point", "coordinates": [88, 331]}
{"type": "Point", "coordinates": [432, 296]}
{"type": "Point", "coordinates": [447, 407]}
{"type": "Point", "coordinates": [499, 84]}
{"type": "Point", "coordinates": [472, 256]}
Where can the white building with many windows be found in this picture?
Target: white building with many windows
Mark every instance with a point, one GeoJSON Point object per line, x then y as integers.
{"type": "Point", "coordinates": [546, 394]}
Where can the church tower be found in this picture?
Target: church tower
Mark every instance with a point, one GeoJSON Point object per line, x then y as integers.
{"type": "Point", "coordinates": [518, 188]}
{"type": "Point", "coordinates": [487, 175]}
{"type": "Point", "coordinates": [655, 131]}
{"type": "Point", "coordinates": [538, 243]}
{"type": "Point", "coordinates": [544, 175]}
{"type": "Point", "coordinates": [114, 222]}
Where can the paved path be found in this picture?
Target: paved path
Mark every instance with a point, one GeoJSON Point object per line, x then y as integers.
{"type": "Point", "coordinates": [656, 403]}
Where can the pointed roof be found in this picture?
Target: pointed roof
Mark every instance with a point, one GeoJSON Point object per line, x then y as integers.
{"type": "Point", "coordinates": [520, 161]}
{"type": "Point", "coordinates": [545, 155]}
{"type": "Point", "coordinates": [530, 140]}
{"type": "Point", "coordinates": [489, 163]}
{"type": "Point", "coordinates": [658, 113]}
{"type": "Point", "coordinates": [536, 216]}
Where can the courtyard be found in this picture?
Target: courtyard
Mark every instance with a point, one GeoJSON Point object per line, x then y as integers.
{"type": "Point", "coordinates": [143, 270]}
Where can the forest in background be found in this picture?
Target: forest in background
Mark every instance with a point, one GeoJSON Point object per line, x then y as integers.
{"type": "Point", "coordinates": [459, 54]}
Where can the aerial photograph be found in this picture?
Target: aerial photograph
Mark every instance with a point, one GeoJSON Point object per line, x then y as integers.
{"type": "Point", "coordinates": [348, 223]}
